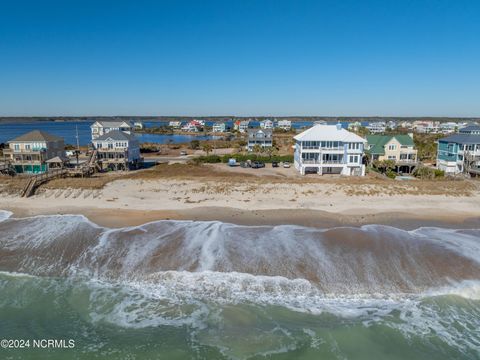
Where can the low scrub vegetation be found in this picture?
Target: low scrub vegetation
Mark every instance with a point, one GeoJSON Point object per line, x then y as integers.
{"type": "Point", "coordinates": [211, 159]}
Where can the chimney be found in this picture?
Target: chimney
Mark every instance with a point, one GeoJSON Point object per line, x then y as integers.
{"type": "Point", "coordinates": [339, 126]}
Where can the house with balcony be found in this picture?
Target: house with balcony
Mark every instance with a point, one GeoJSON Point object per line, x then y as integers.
{"type": "Point", "coordinates": [284, 125]}
{"type": "Point", "coordinates": [261, 137]}
{"type": "Point", "coordinates": [399, 148]}
{"type": "Point", "coordinates": [329, 149]}
{"type": "Point", "coordinates": [241, 126]}
{"type": "Point", "coordinates": [266, 124]}
{"type": "Point", "coordinates": [100, 128]}
{"type": "Point", "coordinates": [34, 151]}
{"type": "Point", "coordinates": [118, 150]}
{"type": "Point", "coordinates": [220, 127]}
{"type": "Point", "coordinates": [377, 127]}
{"type": "Point", "coordinates": [459, 153]}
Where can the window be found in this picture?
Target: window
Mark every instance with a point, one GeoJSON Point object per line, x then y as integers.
{"type": "Point", "coordinates": [355, 146]}
{"type": "Point", "coordinates": [353, 159]}
{"type": "Point", "coordinates": [392, 157]}
{"type": "Point", "coordinates": [392, 147]}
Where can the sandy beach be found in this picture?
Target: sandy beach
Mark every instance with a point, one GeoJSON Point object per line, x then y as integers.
{"type": "Point", "coordinates": [129, 202]}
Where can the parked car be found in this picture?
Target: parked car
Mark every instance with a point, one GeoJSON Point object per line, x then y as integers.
{"type": "Point", "coordinates": [258, 165]}
{"type": "Point", "coordinates": [183, 153]}
{"type": "Point", "coordinates": [274, 164]}
{"type": "Point", "coordinates": [232, 162]}
{"type": "Point", "coordinates": [244, 164]}
{"type": "Point", "coordinates": [286, 164]}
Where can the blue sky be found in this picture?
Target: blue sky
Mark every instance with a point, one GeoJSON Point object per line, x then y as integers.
{"type": "Point", "coordinates": [344, 58]}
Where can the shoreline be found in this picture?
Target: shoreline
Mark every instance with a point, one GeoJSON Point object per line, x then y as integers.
{"type": "Point", "coordinates": [255, 201]}
{"type": "Point", "coordinates": [119, 218]}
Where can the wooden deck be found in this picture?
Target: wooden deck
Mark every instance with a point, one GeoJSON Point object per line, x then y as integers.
{"type": "Point", "coordinates": [37, 180]}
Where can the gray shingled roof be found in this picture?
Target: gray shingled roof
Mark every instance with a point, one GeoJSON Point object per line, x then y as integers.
{"type": "Point", "coordinates": [116, 135]}
{"type": "Point", "coordinates": [462, 139]}
{"type": "Point", "coordinates": [36, 135]}
{"type": "Point", "coordinates": [114, 123]}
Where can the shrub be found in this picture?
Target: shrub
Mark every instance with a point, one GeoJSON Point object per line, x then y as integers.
{"type": "Point", "coordinates": [194, 144]}
{"type": "Point", "coordinates": [391, 174]}
{"type": "Point", "coordinates": [424, 172]}
{"type": "Point", "coordinates": [439, 173]}
{"type": "Point", "coordinates": [255, 157]}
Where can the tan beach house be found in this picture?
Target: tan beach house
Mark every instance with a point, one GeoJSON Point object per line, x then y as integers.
{"type": "Point", "coordinates": [34, 151]}
{"type": "Point", "coordinates": [400, 148]}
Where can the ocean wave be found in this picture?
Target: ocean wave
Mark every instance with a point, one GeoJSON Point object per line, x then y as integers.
{"type": "Point", "coordinates": [214, 306]}
{"type": "Point", "coordinates": [369, 259]}
{"type": "Point", "coordinates": [4, 215]}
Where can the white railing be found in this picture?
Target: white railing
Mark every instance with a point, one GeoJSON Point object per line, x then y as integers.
{"type": "Point", "coordinates": [320, 162]}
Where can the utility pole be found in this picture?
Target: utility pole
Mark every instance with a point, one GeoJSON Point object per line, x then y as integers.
{"type": "Point", "coordinates": [77, 152]}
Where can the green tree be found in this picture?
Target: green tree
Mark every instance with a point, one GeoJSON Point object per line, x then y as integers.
{"type": "Point", "coordinates": [257, 149]}
{"type": "Point", "coordinates": [194, 144]}
{"type": "Point", "coordinates": [207, 148]}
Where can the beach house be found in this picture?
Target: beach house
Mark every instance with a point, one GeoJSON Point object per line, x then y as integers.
{"type": "Point", "coordinates": [193, 126]}
{"type": "Point", "coordinates": [241, 126]}
{"type": "Point", "coordinates": [377, 127]}
{"type": "Point", "coordinates": [266, 124]}
{"type": "Point", "coordinates": [261, 137]}
{"type": "Point", "coordinates": [329, 149]}
{"type": "Point", "coordinates": [472, 129]}
{"type": "Point", "coordinates": [100, 128]}
{"type": "Point", "coordinates": [34, 151]}
{"type": "Point", "coordinates": [175, 124]}
{"type": "Point", "coordinates": [459, 153]}
{"type": "Point", "coordinates": [400, 148]}
{"type": "Point", "coordinates": [219, 127]}
{"type": "Point", "coordinates": [284, 125]}
{"type": "Point", "coordinates": [448, 127]}
{"type": "Point", "coordinates": [118, 150]}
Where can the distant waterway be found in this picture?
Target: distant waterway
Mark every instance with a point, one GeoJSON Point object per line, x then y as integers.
{"type": "Point", "coordinates": [68, 131]}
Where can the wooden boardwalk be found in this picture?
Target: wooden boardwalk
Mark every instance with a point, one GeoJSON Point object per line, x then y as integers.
{"type": "Point", "coordinates": [86, 169]}
{"type": "Point", "coordinates": [37, 180]}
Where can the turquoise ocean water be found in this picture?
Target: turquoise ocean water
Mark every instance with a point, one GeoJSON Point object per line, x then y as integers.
{"type": "Point", "coordinates": [210, 290]}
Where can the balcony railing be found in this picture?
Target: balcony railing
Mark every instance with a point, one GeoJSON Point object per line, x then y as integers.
{"type": "Point", "coordinates": [24, 151]}
{"type": "Point", "coordinates": [332, 162]}
{"type": "Point", "coordinates": [324, 162]}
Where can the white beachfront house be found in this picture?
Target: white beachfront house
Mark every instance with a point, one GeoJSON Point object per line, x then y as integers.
{"type": "Point", "coordinates": [329, 149]}
{"type": "Point", "coordinates": [100, 128]}
{"type": "Point", "coordinates": [266, 124]}
{"type": "Point", "coordinates": [118, 150]}
{"type": "Point", "coordinates": [284, 125]}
